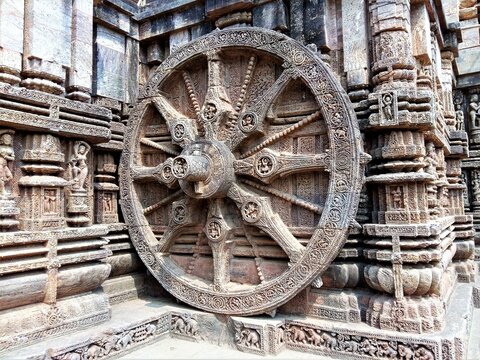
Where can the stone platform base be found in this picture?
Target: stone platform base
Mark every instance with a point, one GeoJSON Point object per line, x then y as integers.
{"type": "Point", "coordinates": [143, 321]}
{"type": "Point", "coordinates": [124, 288]}
{"type": "Point", "coordinates": [30, 323]}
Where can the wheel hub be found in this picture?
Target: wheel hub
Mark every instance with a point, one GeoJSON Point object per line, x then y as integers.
{"type": "Point", "coordinates": [205, 169]}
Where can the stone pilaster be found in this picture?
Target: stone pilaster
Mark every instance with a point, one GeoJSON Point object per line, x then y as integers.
{"type": "Point", "coordinates": [47, 40]}
{"type": "Point", "coordinates": [8, 206]}
{"type": "Point", "coordinates": [41, 188]}
{"type": "Point", "coordinates": [106, 190]}
{"type": "Point", "coordinates": [407, 177]}
{"type": "Point", "coordinates": [80, 72]}
{"type": "Point", "coordinates": [11, 40]}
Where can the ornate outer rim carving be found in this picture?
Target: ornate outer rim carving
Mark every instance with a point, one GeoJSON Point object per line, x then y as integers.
{"type": "Point", "coordinates": [343, 192]}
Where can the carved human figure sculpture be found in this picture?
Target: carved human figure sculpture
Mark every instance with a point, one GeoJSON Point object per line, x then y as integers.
{"type": "Point", "coordinates": [460, 126]}
{"type": "Point", "coordinates": [50, 201]}
{"type": "Point", "coordinates": [431, 159]}
{"type": "Point", "coordinates": [107, 202]}
{"type": "Point", "coordinates": [397, 197]}
{"type": "Point", "coordinates": [6, 155]}
{"type": "Point", "coordinates": [387, 103]}
{"type": "Point", "coordinates": [79, 167]}
{"type": "Point", "coordinates": [474, 112]}
{"type": "Point", "coordinates": [476, 185]}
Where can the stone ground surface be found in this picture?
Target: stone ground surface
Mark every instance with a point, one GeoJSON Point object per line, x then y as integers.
{"type": "Point", "coordinates": [474, 342]}
{"type": "Point", "coordinates": [168, 347]}
{"type": "Point", "coordinates": [172, 348]}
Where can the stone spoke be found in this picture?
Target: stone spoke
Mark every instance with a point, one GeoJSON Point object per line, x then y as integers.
{"type": "Point", "coordinates": [163, 147]}
{"type": "Point", "coordinates": [191, 92]}
{"type": "Point", "coordinates": [165, 201]}
{"type": "Point", "coordinates": [217, 108]}
{"type": "Point", "coordinates": [183, 130]}
{"type": "Point", "coordinates": [251, 119]}
{"type": "Point", "coordinates": [218, 233]}
{"type": "Point", "coordinates": [161, 173]}
{"type": "Point", "coordinates": [232, 123]}
{"type": "Point", "coordinates": [184, 214]}
{"type": "Point", "coordinates": [257, 211]}
{"type": "Point", "coordinates": [274, 138]}
{"type": "Point", "coordinates": [285, 196]}
{"type": "Point", "coordinates": [268, 165]}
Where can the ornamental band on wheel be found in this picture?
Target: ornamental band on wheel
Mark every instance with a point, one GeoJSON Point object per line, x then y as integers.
{"type": "Point", "coordinates": [241, 171]}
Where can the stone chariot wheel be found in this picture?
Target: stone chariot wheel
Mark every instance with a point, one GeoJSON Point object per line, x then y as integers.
{"type": "Point", "coordinates": [241, 171]}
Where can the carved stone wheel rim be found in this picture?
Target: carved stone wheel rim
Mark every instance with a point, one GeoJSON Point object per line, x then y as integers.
{"type": "Point", "coordinates": [345, 168]}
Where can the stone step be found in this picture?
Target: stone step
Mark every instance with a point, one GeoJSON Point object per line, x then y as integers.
{"type": "Point", "coordinates": [171, 348]}
{"type": "Point", "coordinates": [136, 324]}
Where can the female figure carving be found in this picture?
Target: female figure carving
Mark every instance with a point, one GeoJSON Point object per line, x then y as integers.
{"type": "Point", "coordinates": [6, 155]}
{"type": "Point", "coordinates": [474, 112]}
{"type": "Point", "coordinates": [78, 162]}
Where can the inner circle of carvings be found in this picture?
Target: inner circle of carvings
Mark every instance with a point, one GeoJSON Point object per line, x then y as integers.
{"type": "Point", "coordinates": [259, 129]}
{"type": "Point", "coordinates": [210, 111]}
{"type": "Point", "coordinates": [180, 167]}
{"type": "Point", "coordinates": [251, 211]}
{"type": "Point", "coordinates": [179, 131]}
{"type": "Point", "coordinates": [214, 230]}
{"type": "Point", "coordinates": [179, 214]}
{"type": "Point", "coordinates": [167, 173]}
{"type": "Point", "coordinates": [248, 122]}
{"type": "Point", "coordinates": [265, 165]}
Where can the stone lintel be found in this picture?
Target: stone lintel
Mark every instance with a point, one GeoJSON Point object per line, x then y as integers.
{"type": "Point", "coordinates": [432, 228]}
{"type": "Point", "coordinates": [158, 8]}
{"type": "Point", "coordinates": [400, 177]}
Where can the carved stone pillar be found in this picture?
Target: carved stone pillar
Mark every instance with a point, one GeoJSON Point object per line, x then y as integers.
{"type": "Point", "coordinates": [47, 40]}
{"type": "Point", "coordinates": [106, 191]}
{"type": "Point", "coordinates": [11, 40]}
{"type": "Point", "coordinates": [80, 73]}
{"type": "Point", "coordinates": [393, 66]}
{"type": "Point", "coordinates": [41, 188]}
{"type": "Point", "coordinates": [407, 177]}
{"type": "Point", "coordinates": [469, 106]}
{"type": "Point", "coordinates": [464, 231]}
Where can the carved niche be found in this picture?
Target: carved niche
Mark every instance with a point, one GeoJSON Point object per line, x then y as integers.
{"type": "Point", "coordinates": [241, 171]}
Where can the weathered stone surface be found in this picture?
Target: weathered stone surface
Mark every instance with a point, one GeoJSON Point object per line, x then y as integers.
{"type": "Point", "coordinates": [156, 8]}
{"type": "Point", "coordinates": [113, 17]}
{"type": "Point", "coordinates": [272, 15]}
{"type": "Point", "coordinates": [172, 21]}
{"type": "Point", "coordinates": [178, 39]}
{"type": "Point", "coordinates": [215, 8]}
{"type": "Point", "coordinates": [422, 40]}
{"type": "Point", "coordinates": [11, 40]}
{"type": "Point", "coordinates": [355, 41]}
{"type": "Point", "coordinates": [110, 50]}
